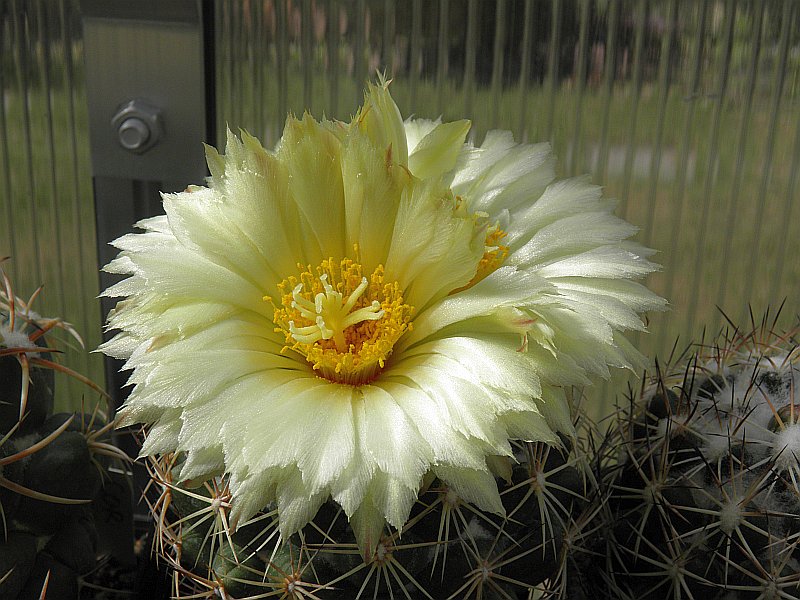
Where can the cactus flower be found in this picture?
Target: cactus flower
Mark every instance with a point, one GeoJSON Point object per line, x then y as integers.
{"type": "Point", "coordinates": [365, 304]}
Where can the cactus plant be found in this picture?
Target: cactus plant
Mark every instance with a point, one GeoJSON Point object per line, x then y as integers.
{"type": "Point", "coordinates": [708, 494]}
{"type": "Point", "coordinates": [51, 465]}
{"type": "Point", "coordinates": [372, 313]}
{"type": "Point", "coordinates": [447, 549]}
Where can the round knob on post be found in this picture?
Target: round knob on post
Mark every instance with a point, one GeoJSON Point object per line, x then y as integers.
{"type": "Point", "coordinates": [137, 125]}
{"type": "Point", "coordinates": [133, 134]}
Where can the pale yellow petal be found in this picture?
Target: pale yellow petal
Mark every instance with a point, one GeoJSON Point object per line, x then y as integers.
{"type": "Point", "coordinates": [373, 188]}
{"type": "Point", "coordinates": [379, 119]}
{"type": "Point", "coordinates": [434, 249]}
{"type": "Point", "coordinates": [437, 151]}
{"type": "Point", "coordinates": [477, 487]}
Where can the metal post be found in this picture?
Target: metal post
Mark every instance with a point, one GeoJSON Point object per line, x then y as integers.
{"type": "Point", "coordinates": [150, 89]}
{"type": "Point", "coordinates": [150, 92]}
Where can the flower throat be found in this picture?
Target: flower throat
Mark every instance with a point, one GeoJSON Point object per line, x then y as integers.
{"type": "Point", "coordinates": [343, 322]}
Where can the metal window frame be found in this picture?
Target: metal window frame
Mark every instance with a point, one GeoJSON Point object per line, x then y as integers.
{"type": "Point", "coordinates": [158, 55]}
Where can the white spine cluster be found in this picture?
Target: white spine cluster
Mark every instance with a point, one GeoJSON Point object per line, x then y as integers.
{"type": "Point", "coordinates": [720, 443]}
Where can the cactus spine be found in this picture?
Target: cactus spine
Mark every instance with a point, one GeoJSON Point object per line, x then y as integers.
{"type": "Point", "coordinates": [51, 465]}
{"type": "Point", "coordinates": [708, 495]}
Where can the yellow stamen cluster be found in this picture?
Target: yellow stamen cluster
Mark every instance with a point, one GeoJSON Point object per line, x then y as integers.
{"type": "Point", "coordinates": [493, 257]}
{"type": "Point", "coordinates": [343, 322]}
{"type": "Point", "coordinates": [495, 253]}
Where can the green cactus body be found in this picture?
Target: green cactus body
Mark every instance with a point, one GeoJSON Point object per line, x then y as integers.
{"type": "Point", "coordinates": [708, 496]}
{"type": "Point", "coordinates": [51, 466]}
{"type": "Point", "coordinates": [447, 549]}
{"type": "Point", "coordinates": [40, 395]}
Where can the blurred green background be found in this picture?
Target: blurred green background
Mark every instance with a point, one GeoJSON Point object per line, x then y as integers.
{"type": "Point", "coordinates": [686, 111]}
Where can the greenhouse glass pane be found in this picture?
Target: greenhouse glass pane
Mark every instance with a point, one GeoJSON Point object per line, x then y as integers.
{"type": "Point", "coordinates": [47, 225]}
{"type": "Point", "coordinates": [686, 111]}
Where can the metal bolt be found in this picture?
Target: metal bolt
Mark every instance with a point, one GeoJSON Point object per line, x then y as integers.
{"type": "Point", "coordinates": [133, 134]}
{"type": "Point", "coordinates": [138, 126]}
